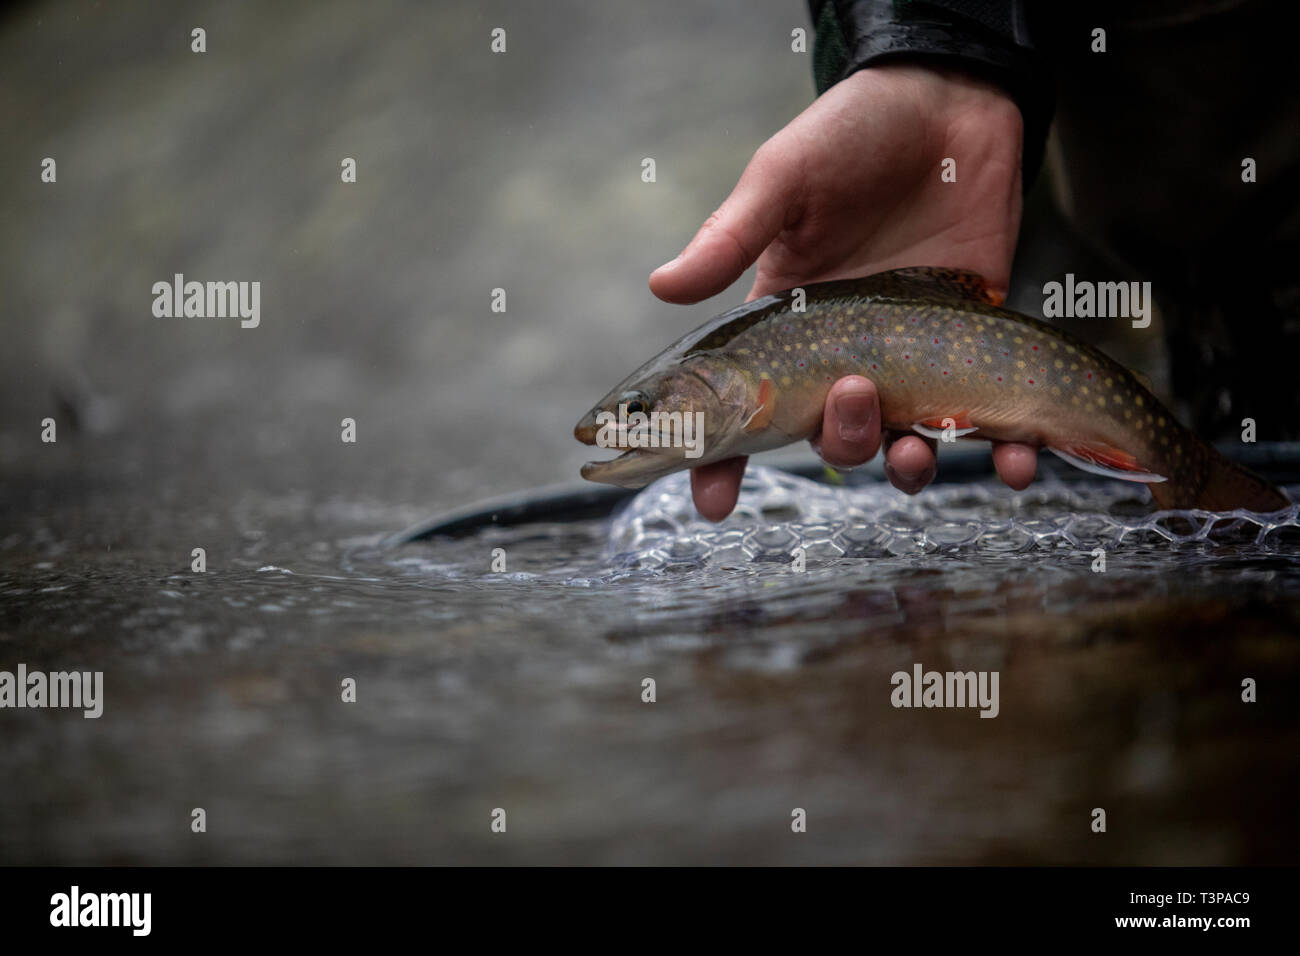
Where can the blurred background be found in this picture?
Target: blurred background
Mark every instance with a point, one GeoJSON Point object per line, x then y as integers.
{"type": "Point", "coordinates": [476, 171]}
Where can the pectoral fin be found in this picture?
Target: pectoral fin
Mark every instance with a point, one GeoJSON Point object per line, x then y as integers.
{"type": "Point", "coordinates": [762, 415]}
{"type": "Point", "coordinates": [934, 427]}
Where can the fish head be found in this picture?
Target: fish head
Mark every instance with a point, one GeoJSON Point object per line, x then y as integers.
{"type": "Point", "coordinates": [672, 414]}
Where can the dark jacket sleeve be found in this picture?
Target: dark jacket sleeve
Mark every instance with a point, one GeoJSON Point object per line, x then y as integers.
{"type": "Point", "coordinates": [986, 38]}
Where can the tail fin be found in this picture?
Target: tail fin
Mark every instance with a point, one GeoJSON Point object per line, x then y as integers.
{"type": "Point", "coordinates": [1213, 483]}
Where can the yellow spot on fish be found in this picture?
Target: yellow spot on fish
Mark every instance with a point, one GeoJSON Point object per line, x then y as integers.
{"type": "Point", "coordinates": [1018, 340]}
{"type": "Point", "coordinates": [1138, 401]}
{"type": "Point", "coordinates": [899, 328]}
{"type": "Point", "coordinates": [1059, 363]}
{"type": "Point", "coordinates": [1020, 363]}
{"type": "Point", "coordinates": [775, 364]}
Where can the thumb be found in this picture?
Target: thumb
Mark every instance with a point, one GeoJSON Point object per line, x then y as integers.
{"type": "Point", "coordinates": [730, 240]}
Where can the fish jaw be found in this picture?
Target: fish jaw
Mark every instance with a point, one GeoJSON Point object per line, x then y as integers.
{"type": "Point", "coordinates": [635, 468]}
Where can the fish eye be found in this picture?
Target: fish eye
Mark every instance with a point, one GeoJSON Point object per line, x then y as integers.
{"type": "Point", "coordinates": [635, 402]}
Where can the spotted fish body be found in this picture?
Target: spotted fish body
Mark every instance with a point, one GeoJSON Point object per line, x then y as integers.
{"type": "Point", "coordinates": [945, 359]}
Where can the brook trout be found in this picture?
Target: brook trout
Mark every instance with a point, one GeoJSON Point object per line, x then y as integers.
{"type": "Point", "coordinates": [944, 358]}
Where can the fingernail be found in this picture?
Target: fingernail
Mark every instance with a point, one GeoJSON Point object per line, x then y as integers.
{"type": "Point", "coordinates": [670, 264]}
{"type": "Point", "coordinates": [853, 412]}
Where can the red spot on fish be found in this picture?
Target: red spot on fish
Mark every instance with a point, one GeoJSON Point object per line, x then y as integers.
{"type": "Point", "coordinates": [1089, 375]}
{"type": "Point", "coordinates": [801, 364]}
{"type": "Point", "coordinates": [864, 338]}
{"type": "Point", "coordinates": [945, 373]}
{"type": "Point", "coordinates": [960, 326]}
{"type": "Point", "coordinates": [873, 365]}
{"type": "Point", "coordinates": [1034, 347]}
{"type": "Point", "coordinates": [1031, 381]}
{"type": "Point", "coordinates": [907, 355]}
{"type": "Point", "coordinates": [936, 341]}
{"type": "Point", "coordinates": [837, 348]}
{"type": "Point", "coordinates": [970, 361]}
{"type": "Point", "coordinates": [999, 378]}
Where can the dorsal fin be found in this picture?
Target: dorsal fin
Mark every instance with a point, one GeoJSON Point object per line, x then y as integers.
{"type": "Point", "coordinates": [957, 283]}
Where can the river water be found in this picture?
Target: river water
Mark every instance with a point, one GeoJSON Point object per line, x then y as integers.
{"type": "Point", "coordinates": [521, 689]}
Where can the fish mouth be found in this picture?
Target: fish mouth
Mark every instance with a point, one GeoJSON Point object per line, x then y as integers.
{"type": "Point", "coordinates": [635, 468]}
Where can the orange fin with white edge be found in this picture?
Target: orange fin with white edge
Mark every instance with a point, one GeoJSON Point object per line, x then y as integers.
{"type": "Point", "coordinates": [1105, 460]}
{"type": "Point", "coordinates": [936, 426]}
{"type": "Point", "coordinates": [950, 283]}
{"type": "Point", "coordinates": [762, 415]}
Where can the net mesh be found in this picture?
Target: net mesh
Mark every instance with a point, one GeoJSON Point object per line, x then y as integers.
{"type": "Point", "coordinates": [779, 513]}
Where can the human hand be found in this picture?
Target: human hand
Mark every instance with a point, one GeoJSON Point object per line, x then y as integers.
{"type": "Point", "coordinates": [850, 187]}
